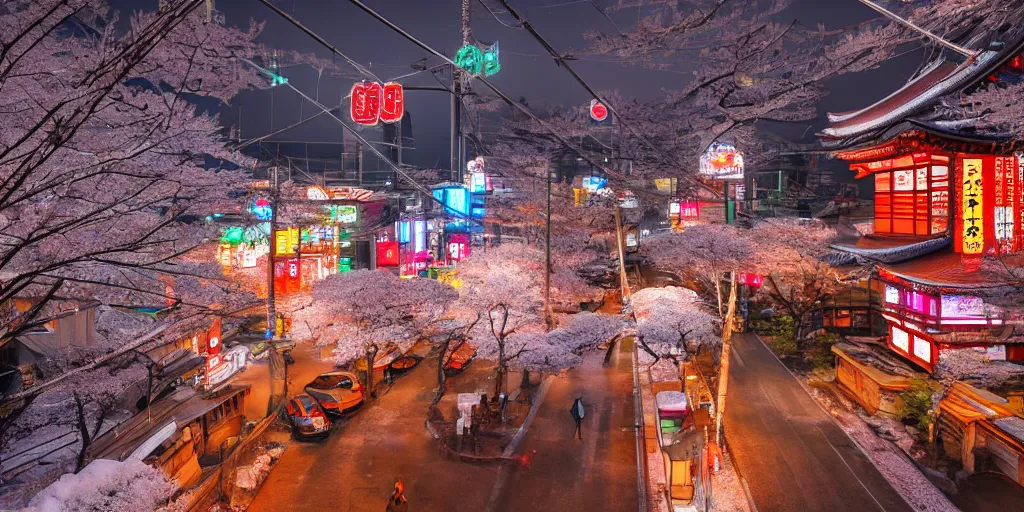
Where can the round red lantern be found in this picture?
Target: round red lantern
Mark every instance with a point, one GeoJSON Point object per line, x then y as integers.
{"type": "Point", "coordinates": [598, 112]}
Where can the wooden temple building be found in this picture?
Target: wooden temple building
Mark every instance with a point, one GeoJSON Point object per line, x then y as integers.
{"type": "Point", "coordinates": [948, 207]}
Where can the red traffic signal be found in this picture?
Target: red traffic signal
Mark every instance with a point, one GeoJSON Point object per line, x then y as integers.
{"type": "Point", "coordinates": [598, 112]}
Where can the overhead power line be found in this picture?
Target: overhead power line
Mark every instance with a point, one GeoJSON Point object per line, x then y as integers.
{"type": "Point", "coordinates": [522, 108]}
{"type": "Point", "coordinates": [362, 69]}
{"type": "Point", "coordinates": [563, 62]}
{"type": "Point", "coordinates": [429, 193]}
{"type": "Point", "coordinates": [966, 52]}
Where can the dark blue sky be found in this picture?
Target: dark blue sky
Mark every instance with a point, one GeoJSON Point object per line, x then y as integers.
{"type": "Point", "coordinates": [527, 71]}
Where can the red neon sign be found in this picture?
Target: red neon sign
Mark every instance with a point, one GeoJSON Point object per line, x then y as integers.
{"type": "Point", "coordinates": [393, 106]}
{"type": "Point", "coordinates": [387, 254]}
{"type": "Point", "coordinates": [366, 103]}
{"type": "Point", "coordinates": [598, 112]}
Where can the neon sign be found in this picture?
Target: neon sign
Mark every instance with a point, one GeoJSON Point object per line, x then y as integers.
{"type": "Point", "coordinates": [261, 209]}
{"type": "Point", "coordinates": [598, 112]}
{"type": "Point", "coordinates": [722, 162]}
{"type": "Point", "coordinates": [971, 187]}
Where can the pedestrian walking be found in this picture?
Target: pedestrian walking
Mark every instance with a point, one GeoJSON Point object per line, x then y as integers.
{"type": "Point", "coordinates": [398, 502]}
{"type": "Point", "coordinates": [577, 413]}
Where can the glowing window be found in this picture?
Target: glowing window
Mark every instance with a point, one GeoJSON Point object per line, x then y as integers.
{"type": "Point", "coordinates": [900, 339]}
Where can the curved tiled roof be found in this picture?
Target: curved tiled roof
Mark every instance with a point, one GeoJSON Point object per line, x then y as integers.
{"type": "Point", "coordinates": [942, 77]}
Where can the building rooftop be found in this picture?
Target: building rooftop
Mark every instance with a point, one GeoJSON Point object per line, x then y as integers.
{"type": "Point", "coordinates": [947, 269]}
{"type": "Point", "coordinates": [891, 249]}
{"type": "Point", "coordinates": [948, 74]}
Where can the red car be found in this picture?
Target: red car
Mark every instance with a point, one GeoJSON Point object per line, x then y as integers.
{"type": "Point", "coordinates": [459, 355]}
{"type": "Point", "coordinates": [307, 418]}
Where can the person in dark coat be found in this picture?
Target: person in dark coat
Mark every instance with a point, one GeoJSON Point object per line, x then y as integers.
{"type": "Point", "coordinates": [577, 413]}
{"type": "Point", "coordinates": [398, 503]}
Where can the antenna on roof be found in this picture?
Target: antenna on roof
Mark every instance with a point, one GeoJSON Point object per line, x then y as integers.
{"type": "Point", "coordinates": [893, 16]}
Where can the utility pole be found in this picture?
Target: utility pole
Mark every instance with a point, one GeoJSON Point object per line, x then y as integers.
{"type": "Point", "coordinates": [622, 255]}
{"type": "Point", "coordinates": [274, 206]}
{"type": "Point", "coordinates": [458, 149]}
{"type": "Point", "coordinates": [723, 373]}
{"type": "Point", "coordinates": [548, 319]}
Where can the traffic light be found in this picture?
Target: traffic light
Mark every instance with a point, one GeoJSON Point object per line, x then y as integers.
{"type": "Point", "coordinates": [476, 61]}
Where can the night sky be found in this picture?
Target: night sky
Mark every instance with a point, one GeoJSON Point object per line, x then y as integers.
{"type": "Point", "coordinates": [527, 71]}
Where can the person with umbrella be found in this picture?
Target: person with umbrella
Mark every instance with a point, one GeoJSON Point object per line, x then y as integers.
{"type": "Point", "coordinates": [577, 413]}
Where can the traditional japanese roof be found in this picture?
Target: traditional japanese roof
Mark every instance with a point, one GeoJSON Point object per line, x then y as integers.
{"type": "Point", "coordinates": [892, 249]}
{"type": "Point", "coordinates": [947, 270]}
{"type": "Point", "coordinates": [948, 74]}
{"type": "Point", "coordinates": [914, 135]}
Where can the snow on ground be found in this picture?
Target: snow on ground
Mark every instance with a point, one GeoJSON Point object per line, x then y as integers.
{"type": "Point", "coordinates": [895, 466]}
{"type": "Point", "coordinates": [727, 493]}
{"type": "Point", "coordinates": [107, 486]}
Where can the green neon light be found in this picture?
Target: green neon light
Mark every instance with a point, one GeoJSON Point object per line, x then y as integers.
{"type": "Point", "coordinates": [470, 58]}
{"type": "Point", "coordinates": [491, 63]}
{"type": "Point", "coordinates": [233, 235]}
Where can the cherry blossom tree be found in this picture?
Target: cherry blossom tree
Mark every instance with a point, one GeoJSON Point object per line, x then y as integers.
{"type": "Point", "coordinates": [752, 64]}
{"type": "Point", "coordinates": [107, 486]}
{"type": "Point", "coordinates": [502, 284]}
{"type": "Point", "coordinates": [565, 346]}
{"type": "Point", "coordinates": [789, 252]}
{"type": "Point", "coordinates": [704, 251]}
{"type": "Point", "coordinates": [359, 312]}
{"type": "Point", "coordinates": [672, 323]}
{"type": "Point", "coordinates": [105, 162]}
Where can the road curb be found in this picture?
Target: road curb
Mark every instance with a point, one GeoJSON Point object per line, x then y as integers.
{"type": "Point", "coordinates": [511, 448]}
{"type": "Point", "coordinates": [743, 481]}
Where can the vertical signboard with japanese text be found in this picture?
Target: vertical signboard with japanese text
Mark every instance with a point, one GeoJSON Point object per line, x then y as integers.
{"type": "Point", "coordinates": [972, 233]}
{"type": "Point", "coordinates": [1005, 203]}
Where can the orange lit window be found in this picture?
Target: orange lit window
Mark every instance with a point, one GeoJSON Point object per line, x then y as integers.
{"type": "Point", "coordinates": [913, 201]}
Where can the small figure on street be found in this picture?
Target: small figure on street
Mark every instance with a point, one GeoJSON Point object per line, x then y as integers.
{"type": "Point", "coordinates": [398, 503]}
{"type": "Point", "coordinates": [577, 415]}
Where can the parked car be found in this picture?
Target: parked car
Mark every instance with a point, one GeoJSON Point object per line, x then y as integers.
{"type": "Point", "coordinates": [459, 355]}
{"type": "Point", "coordinates": [337, 392]}
{"type": "Point", "coordinates": [391, 357]}
{"type": "Point", "coordinates": [308, 419]}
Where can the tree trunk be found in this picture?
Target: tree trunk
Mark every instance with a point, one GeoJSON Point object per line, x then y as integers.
{"type": "Point", "coordinates": [723, 373]}
{"type": "Point", "coordinates": [525, 382]}
{"type": "Point", "coordinates": [798, 325]}
{"type": "Point", "coordinates": [499, 382]}
{"type": "Point", "coordinates": [441, 381]}
{"type": "Point", "coordinates": [83, 431]}
{"type": "Point", "coordinates": [371, 355]}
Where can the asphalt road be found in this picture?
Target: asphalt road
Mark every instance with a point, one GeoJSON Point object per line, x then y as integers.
{"type": "Point", "coordinates": [789, 451]}
{"type": "Point", "coordinates": [561, 473]}
{"type": "Point", "coordinates": [356, 467]}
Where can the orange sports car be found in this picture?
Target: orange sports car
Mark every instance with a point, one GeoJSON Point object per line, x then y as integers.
{"type": "Point", "coordinates": [337, 392]}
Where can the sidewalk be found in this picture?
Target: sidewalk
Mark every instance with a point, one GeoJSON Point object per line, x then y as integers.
{"type": "Point", "coordinates": [566, 474]}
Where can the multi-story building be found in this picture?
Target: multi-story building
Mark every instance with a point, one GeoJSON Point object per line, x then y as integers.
{"type": "Point", "coordinates": [948, 222]}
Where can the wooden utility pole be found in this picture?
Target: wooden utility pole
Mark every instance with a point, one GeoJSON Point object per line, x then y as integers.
{"type": "Point", "coordinates": [723, 372]}
{"type": "Point", "coordinates": [458, 149]}
{"type": "Point", "coordinates": [548, 319]}
{"type": "Point", "coordinates": [622, 255]}
{"type": "Point", "coordinates": [275, 200]}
